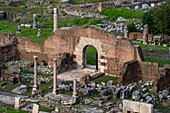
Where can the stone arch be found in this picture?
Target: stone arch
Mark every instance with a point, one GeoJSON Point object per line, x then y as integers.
{"type": "Point", "coordinates": [83, 42]}
{"type": "Point", "coordinates": [85, 60]}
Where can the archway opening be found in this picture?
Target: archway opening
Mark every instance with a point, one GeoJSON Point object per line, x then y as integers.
{"type": "Point", "coordinates": [90, 57]}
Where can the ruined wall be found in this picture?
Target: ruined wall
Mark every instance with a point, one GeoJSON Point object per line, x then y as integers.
{"type": "Point", "coordinates": [149, 71]}
{"type": "Point", "coordinates": [74, 41]}
{"type": "Point", "coordinates": [163, 81]}
{"type": "Point", "coordinates": [8, 47]}
{"type": "Point", "coordinates": [129, 72]}
{"type": "Point", "coordinates": [6, 38]}
{"type": "Point", "coordinates": [103, 5]}
{"type": "Point", "coordinates": [139, 36]}
{"type": "Point", "coordinates": [27, 49]}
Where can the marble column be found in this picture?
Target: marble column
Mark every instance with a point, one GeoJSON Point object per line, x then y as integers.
{"type": "Point", "coordinates": [55, 19]}
{"type": "Point", "coordinates": [17, 103]}
{"type": "Point", "coordinates": [35, 108]}
{"type": "Point", "coordinates": [145, 34]}
{"type": "Point", "coordinates": [35, 26]}
{"type": "Point", "coordinates": [35, 87]}
{"type": "Point", "coordinates": [55, 77]}
{"type": "Point", "coordinates": [169, 51]}
{"type": "Point", "coordinates": [75, 95]}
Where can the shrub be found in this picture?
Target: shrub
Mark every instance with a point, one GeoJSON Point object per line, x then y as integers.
{"type": "Point", "coordinates": [131, 27]}
{"type": "Point", "coordinates": [17, 20]}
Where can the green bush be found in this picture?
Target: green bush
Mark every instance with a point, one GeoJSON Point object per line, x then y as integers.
{"type": "Point", "coordinates": [131, 27]}
{"type": "Point", "coordinates": [17, 20]}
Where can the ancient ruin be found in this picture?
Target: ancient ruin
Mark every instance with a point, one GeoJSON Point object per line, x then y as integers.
{"type": "Point", "coordinates": [83, 56]}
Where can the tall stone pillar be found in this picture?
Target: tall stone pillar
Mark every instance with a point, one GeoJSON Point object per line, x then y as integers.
{"type": "Point", "coordinates": [35, 108]}
{"type": "Point", "coordinates": [75, 95]}
{"type": "Point", "coordinates": [55, 19]}
{"type": "Point", "coordinates": [17, 103]}
{"type": "Point", "coordinates": [55, 77]}
{"type": "Point", "coordinates": [169, 51]}
{"type": "Point", "coordinates": [35, 87]}
{"type": "Point", "coordinates": [145, 34]}
{"type": "Point", "coordinates": [35, 26]}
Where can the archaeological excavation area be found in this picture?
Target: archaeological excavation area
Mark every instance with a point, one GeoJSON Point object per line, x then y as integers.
{"type": "Point", "coordinates": [79, 70]}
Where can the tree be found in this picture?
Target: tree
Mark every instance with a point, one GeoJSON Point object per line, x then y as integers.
{"type": "Point", "coordinates": [162, 18]}
{"type": "Point", "coordinates": [158, 19]}
{"type": "Point", "coordinates": [148, 18]}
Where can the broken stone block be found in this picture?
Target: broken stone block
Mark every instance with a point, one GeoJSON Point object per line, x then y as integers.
{"type": "Point", "coordinates": [98, 102]}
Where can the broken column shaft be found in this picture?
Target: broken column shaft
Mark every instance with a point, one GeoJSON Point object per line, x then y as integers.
{"type": "Point", "coordinates": [35, 87]}
{"type": "Point", "coordinates": [55, 19]}
{"type": "Point", "coordinates": [55, 77]}
{"type": "Point", "coordinates": [74, 88]}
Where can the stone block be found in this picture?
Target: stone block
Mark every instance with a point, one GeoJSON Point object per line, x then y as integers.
{"type": "Point", "coordinates": [146, 108]}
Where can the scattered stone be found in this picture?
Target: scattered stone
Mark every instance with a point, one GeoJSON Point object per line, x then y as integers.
{"type": "Point", "coordinates": [98, 102]}
{"type": "Point", "coordinates": [150, 50]}
{"type": "Point", "coordinates": [21, 89]}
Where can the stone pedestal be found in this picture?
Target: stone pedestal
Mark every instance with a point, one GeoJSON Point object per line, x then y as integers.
{"type": "Point", "coordinates": [17, 103]}
{"type": "Point", "coordinates": [55, 77]}
{"type": "Point", "coordinates": [35, 108]}
{"type": "Point", "coordinates": [126, 34]}
{"type": "Point", "coordinates": [35, 86]}
{"type": "Point", "coordinates": [18, 29]}
{"type": "Point", "coordinates": [75, 95]}
{"type": "Point", "coordinates": [145, 34]}
{"type": "Point", "coordinates": [55, 19]}
{"type": "Point", "coordinates": [35, 26]}
{"type": "Point", "coordinates": [39, 33]}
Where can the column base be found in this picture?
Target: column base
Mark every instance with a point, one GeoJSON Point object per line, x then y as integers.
{"type": "Point", "coordinates": [55, 91]}
{"type": "Point", "coordinates": [75, 95]}
{"type": "Point", "coordinates": [17, 108]}
{"type": "Point", "coordinates": [35, 89]}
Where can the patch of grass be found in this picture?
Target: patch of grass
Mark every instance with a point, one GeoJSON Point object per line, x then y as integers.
{"type": "Point", "coordinates": [20, 111]}
{"type": "Point", "coordinates": [41, 108]}
{"type": "Point", "coordinates": [2, 110]}
{"type": "Point", "coordinates": [114, 13]}
{"type": "Point", "coordinates": [26, 32]}
{"type": "Point", "coordinates": [162, 109]}
{"type": "Point", "coordinates": [91, 55]}
{"type": "Point", "coordinates": [95, 21]}
{"type": "Point", "coordinates": [156, 48]}
{"type": "Point", "coordinates": [105, 79]}
{"type": "Point", "coordinates": [162, 62]}
{"type": "Point", "coordinates": [88, 1]}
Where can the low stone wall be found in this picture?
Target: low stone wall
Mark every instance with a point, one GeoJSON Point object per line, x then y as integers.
{"type": "Point", "coordinates": [139, 36]}
{"type": "Point", "coordinates": [156, 56]}
{"type": "Point", "coordinates": [137, 107]}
